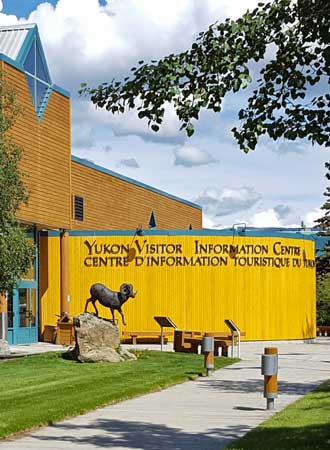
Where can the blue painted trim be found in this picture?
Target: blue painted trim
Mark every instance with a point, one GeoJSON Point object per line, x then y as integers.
{"type": "Point", "coordinates": [20, 67]}
{"type": "Point", "coordinates": [45, 102]}
{"type": "Point", "coordinates": [11, 62]}
{"type": "Point", "coordinates": [91, 165]}
{"type": "Point", "coordinates": [204, 232]}
{"type": "Point", "coordinates": [33, 33]}
{"type": "Point", "coordinates": [26, 46]}
{"type": "Point", "coordinates": [61, 91]}
{"type": "Point", "coordinates": [42, 54]}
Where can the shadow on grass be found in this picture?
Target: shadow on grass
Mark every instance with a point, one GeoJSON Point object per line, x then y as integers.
{"type": "Point", "coordinates": [310, 437]}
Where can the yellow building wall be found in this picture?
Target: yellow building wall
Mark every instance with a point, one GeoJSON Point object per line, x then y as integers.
{"type": "Point", "coordinates": [49, 281]}
{"type": "Point", "coordinates": [201, 291]}
{"type": "Point", "coordinates": [46, 154]}
{"type": "Point", "coordinates": [111, 203]}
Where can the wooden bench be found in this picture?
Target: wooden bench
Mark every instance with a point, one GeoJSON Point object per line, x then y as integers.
{"type": "Point", "coordinates": [189, 341]}
{"type": "Point", "coordinates": [323, 330]}
{"type": "Point", "coordinates": [145, 336]}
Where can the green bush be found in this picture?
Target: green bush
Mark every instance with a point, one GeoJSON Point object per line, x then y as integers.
{"type": "Point", "coordinates": [323, 299]}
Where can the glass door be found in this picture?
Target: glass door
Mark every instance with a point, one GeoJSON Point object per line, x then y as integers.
{"type": "Point", "coordinates": [23, 303]}
{"type": "Point", "coordinates": [24, 327]}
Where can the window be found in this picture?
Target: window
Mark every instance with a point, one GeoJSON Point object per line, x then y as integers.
{"type": "Point", "coordinates": [78, 208]}
{"type": "Point", "coordinates": [37, 77]}
{"type": "Point", "coordinates": [152, 221]}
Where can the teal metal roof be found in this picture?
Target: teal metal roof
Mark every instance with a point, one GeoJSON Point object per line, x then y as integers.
{"type": "Point", "coordinates": [12, 39]}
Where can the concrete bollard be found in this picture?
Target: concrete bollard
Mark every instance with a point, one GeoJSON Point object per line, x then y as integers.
{"type": "Point", "coordinates": [208, 350]}
{"type": "Point", "coordinates": [269, 368]}
{"type": "Point", "coordinates": [3, 317]}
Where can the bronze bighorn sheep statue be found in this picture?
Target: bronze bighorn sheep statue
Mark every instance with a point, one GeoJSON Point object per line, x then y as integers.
{"type": "Point", "coordinates": [110, 299]}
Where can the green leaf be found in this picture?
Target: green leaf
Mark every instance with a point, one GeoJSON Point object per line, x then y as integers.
{"type": "Point", "coordinates": [155, 127]}
{"type": "Point", "coordinates": [190, 130]}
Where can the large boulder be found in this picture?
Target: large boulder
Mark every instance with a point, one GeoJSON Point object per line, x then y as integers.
{"type": "Point", "coordinates": [4, 347]}
{"type": "Point", "coordinates": [97, 340]}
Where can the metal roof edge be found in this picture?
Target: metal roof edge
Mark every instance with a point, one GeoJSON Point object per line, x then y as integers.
{"type": "Point", "coordinates": [148, 232]}
{"type": "Point", "coordinates": [11, 62]}
{"type": "Point", "coordinates": [26, 45]}
{"type": "Point", "coordinates": [60, 90]}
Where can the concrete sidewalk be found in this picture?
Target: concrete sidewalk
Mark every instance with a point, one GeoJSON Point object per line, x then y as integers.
{"type": "Point", "coordinates": [205, 414]}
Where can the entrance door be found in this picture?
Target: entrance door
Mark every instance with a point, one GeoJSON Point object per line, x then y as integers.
{"type": "Point", "coordinates": [23, 304]}
{"type": "Point", "coordinates": [23, 315]}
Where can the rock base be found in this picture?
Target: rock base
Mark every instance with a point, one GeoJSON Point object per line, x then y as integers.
{"type": "Point", "coordinates": [97, 340]}
{"type": "Point", "coordinates": [4, 348]}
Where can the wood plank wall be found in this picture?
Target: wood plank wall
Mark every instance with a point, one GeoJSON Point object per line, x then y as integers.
{"type": "Point", "coordinates": [112, 203]}
{"type": "Point", "coordinates": [266, 301]}
{"type": "Point", "coordinates": [52, 178]}
{"type": "Point", "coordinates": [46, 155]}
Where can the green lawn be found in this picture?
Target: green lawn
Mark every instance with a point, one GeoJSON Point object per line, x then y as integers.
{"type": "Point", "coordinates": [304, 425]}
{"type": "Point", "coordinates": [40, 389]}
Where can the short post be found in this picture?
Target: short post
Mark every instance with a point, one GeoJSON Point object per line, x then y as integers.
{"type": "Point", "coordinates": [161, 338]}
{"type": "Point", "coordinates": [208, 350]}
{"type": "Point", "coordinates": [3, 317]}
{"type": "Point", "coordinates": [269, 369]}
{"type": "Point", "coordinates": [232, 343]}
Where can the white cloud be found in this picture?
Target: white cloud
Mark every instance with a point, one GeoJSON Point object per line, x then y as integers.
{"type": "Point", "coordinates": [129, 162]}
{"type": "Point", "coordinates": [284, 146]}
{"type": "Point", "coordinates": [267, 218]}
{"type": "Point", "coordinates": [86, 42]}
{"type": "Point", "coordinates": [230, 8]}
{"type": "Point", "coordinates": [105, 41]}
{"type": "Point", "coordinates": [189, 156]}
{"type": "Point", "coordinates": [130, 124]}
{"type": "Point", "coordinates": [217, 203]}
{"type": "Point", "coordinates": [82, 137]}
{"type": "Point", "coordinates": [310, 217]}
{"type": "Point", "coordinates": [282, 211]}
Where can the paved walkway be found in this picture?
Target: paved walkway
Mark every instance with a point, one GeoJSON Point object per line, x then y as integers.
{"type": "Point", "coordinates": [205, 414]}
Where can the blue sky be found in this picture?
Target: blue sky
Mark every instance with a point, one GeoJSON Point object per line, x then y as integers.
{"type": "Point", "coordinates": [22, 8]}
{"type": "Point", "coordinates": [279, 184]}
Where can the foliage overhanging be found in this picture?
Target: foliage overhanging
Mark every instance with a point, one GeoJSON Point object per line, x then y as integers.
{"type": "Point", "coordinates": [296, 32]}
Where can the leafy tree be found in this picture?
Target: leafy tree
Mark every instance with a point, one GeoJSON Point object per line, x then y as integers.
{"type": "Point", "coordinates": [323, 262]}
{"type": "Point", "coordinates": [15, 252]}
{"type": "Point", "coordinates": [295, 31]}
{"type": "Point", "coordinates": [323, 299]}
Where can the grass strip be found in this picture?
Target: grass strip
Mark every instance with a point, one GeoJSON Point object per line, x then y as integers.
{"type": "Point", "coordinates": [41, 389]}
{"type": "Point", "coordinates": [303, 425]}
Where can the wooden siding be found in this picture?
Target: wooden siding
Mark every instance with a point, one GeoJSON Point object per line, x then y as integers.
{"type": "Point", "coordinates": [268, 302]}
{"type": "Point", "coordinates": [114, 204]}
{"type": "Point", "coordinates": [46, 155]}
